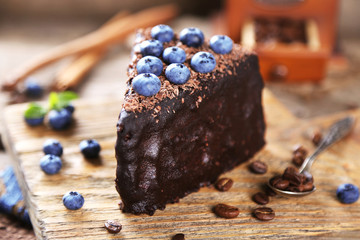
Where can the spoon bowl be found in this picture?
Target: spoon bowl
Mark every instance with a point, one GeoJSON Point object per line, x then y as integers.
{"type": "Point", "coordinates": [336, 132]}
{"type": "Point", "coordinates": [285, 193]}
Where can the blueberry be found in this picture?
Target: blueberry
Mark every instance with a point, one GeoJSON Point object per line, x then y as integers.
{"type": "Point", "coordinates": [73, 200]}
{"type": "Point", "coordinates": [347, 193]}
{"type": "Point", "coordinates": [192, 37]}
{"type": "Point", "coordinates": [203, 62]}
{"type": "Point", "coordinates": [52, 146]}
{"type": "Point", "coordinates": [151, 47]}
{"type": "Point", "coordinates": [33, 89]}
{"type": "Point", "coordinates": [174, 55]}
{"type": "Point", "coordinates": [162, 32]}
{"type": "Point", "coordinates": [90, 148]}
{"type": "Point", "coordinates": [177, 73]}
{"type": "Point", "coordinates": [146, 84]}
{"type": "Point", "coordinates": [150, 64]}
{"type": "Point", "coordinates": [70, 108]}
{"type": "Point", "coordinates": [34, 121]}
{"type": "Point", "coordinates": [221, 44]}
{"type": "Point", "coordinates": [59, 119]}
{"type": "Point", "coordinates": [50, 164]}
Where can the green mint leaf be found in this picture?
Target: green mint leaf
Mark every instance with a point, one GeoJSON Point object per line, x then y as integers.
{"type": "Point", "coordinates": [65, 98]}
{"type": "Point", "coordinates": [34, 110]}
{"type": "Point", "coordinates": [60, 100]}
{"type": "Point", "coordinates": [53, 101]}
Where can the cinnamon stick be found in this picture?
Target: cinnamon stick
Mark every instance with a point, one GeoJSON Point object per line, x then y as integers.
{"type": "Point", "coordinates": [97, 39]}
{"type": "Point", "coordinates": [72, 74]}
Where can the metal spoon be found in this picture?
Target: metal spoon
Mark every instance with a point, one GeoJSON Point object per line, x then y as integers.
{"type": "Point", "coordinates": [337, 131]}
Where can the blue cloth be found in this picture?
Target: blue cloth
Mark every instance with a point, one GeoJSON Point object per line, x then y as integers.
{"type": "Point", "coordinates": [11, 198]}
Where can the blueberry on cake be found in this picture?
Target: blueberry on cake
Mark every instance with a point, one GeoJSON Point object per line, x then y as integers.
{"type": "Point", "coordinates": [192, 111]}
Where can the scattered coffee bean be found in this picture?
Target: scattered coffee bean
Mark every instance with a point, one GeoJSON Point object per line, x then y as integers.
{"type": "Point", "coordinates": [226, 211]}
{"type": "Point", "coordinates": [260, 198]}
{"type": "Point", "coordinates": [299, 155]}
{"type": "Point", "coordinates": [264, 213]}
{"type": "Point", "coordinates": [178, 236]}
{"type": "Point", "coordinates": [113, 226]}
{"type": "Point", "coordinates": [316, 138]}
{"type": "Point", "coordinates": [258, 167]}
{"type": "Point", "coordinates": [224, 184]}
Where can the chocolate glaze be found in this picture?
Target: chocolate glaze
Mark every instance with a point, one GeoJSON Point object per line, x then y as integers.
{"type": "Point", "coordinates": [192, 138]}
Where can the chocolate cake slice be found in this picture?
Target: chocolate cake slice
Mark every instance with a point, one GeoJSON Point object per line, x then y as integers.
{"type": "Point", "coordinates": [183, 137]}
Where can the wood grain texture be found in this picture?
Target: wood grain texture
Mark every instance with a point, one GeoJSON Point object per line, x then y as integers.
{"type": "Point", "coordinates": [317, 215]}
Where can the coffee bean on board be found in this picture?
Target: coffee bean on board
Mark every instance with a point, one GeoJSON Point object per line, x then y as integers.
{"type": "Point", "coordinates": [258, 167]}
{"type": "Point", "coordinates": [226, 211]}
{"type": "Point", "coordinates": [264, 213]}
{"type": "Point", "coordinates": [224, 184]}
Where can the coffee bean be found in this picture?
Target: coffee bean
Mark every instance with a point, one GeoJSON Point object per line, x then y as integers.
{"type": "Point", "coordinates": [226, 211]}
{"type": "Point", "coordinates": [298, 159]}
{"type": "Point", "coordinates": [224, 184]}
{"type": "Point", "coordinates": [308, 186]}
{"type": "Point", "coordinates": [178, 236]}
{"type": "Point", "coordinates": [293, 176]}
{"type": "Point", "coordinates": [301, 150]}
{"type": "Point", "coordinates": [299, 155]}
{"type": "Point", "coordinates": [258, 167]}
{"type": "Point", "coordinates": [282, 184]}
{"type": "Point", "coordinates": [316, 138]}
{"type": "Point", "coordinates": [260, 198]}
{"type": "Point", "coordinates": [275, 179]}
{"type": "Point", "coordinates": [113, 226]}
{"type": "Point", "coordinates": [264, 213]}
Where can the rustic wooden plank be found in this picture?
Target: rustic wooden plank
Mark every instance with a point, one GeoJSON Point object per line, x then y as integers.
{"type": "Point", "coordinates": [319, 214]}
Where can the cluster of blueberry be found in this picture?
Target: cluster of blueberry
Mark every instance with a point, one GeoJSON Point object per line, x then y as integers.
{"type": "Point", "coordinates": [150, 66]}
{"type": "Point", "coordinates": [51, 164]}
{"type": "Point", "coordinates": [58, 119]}
{"type": "Point", "coordinates": [59, 113]}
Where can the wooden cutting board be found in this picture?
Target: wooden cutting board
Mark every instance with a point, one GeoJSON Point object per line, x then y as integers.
{"type": "Point", "coordinates": [318, 215]}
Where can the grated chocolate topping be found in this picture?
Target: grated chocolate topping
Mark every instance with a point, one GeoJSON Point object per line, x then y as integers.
{"type": "Point", "coordinates": [225, 64]}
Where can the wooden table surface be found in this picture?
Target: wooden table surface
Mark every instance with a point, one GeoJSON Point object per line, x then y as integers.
{"type": "Point", "coordinates": [22, 40]}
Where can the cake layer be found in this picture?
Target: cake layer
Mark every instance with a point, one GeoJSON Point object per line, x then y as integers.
{"type": "Point", "coordinates": [171, 146]}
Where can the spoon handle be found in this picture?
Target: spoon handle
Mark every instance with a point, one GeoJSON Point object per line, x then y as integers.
{"type": "Point", "coordinates": [337, 131]}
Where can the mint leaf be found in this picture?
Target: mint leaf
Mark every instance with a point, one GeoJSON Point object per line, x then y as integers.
{"type": "Point", "coordinates": [60, 100]}
{"type": "Point", "coordinates": [34, 110]}
{"type": "Point", "coordinates": [65, 98]}
{"type": "Point", "coordinates": [53, 100]}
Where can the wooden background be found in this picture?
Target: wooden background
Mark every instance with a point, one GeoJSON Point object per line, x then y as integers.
{"type": "Point", "coordinates": [319, 214]}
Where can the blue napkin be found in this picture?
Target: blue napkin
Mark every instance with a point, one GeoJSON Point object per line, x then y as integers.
{"type": "Point", "coordinates": [11, 199]}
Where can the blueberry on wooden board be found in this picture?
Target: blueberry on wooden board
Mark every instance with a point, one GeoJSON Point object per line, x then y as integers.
{"type": "Point", "coordinates": [73, 200]}
{"type": "Point", "coordinates": [52, 146]}
{"type": "Point", "coordinates": [90, 148]}
{"type": "Point", "coordinates": [347, 193]}
{"type": "Point", "coordinates": [50, 164]}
